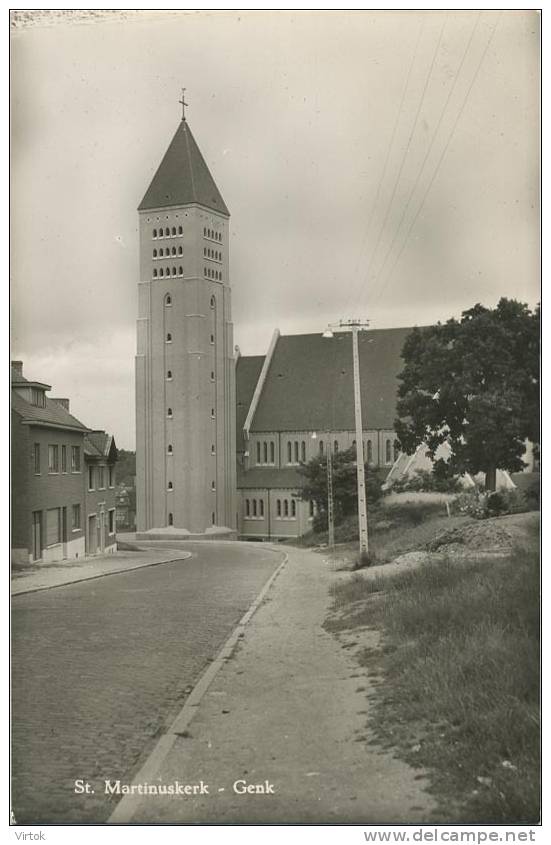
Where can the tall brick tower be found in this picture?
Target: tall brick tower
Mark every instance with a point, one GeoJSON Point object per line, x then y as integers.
{"type": "Point", "coordinates": [185, 376]}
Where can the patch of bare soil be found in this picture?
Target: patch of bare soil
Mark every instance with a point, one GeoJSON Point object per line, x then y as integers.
{"type": "Point", "coordinates": [497, 535]}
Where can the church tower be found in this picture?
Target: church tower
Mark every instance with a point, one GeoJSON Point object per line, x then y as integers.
{"type": "Point", "coordinates": [185, 369]}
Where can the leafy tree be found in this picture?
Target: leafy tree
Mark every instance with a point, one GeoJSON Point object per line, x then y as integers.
{"type": "Point", "coordinates": [473, 383]}
{"type": "Point", "coordinates": [126, 467]}
{"type": "Point", "coordinates": [345, 485]}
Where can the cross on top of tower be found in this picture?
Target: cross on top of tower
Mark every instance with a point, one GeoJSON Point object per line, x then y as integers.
{"type": "Point", "coordinates": [183, 103]}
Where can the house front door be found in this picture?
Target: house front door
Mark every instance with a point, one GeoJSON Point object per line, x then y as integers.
{"type": "Point", "coordinates": [92, 535]}
{"type": "Point", "coordinates": [37, 535]}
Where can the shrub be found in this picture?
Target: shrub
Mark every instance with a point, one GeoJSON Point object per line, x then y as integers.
{"type": "Point", "coordinates": [427, 482]}
{"type": "Point", "coordinates": [483, 505]}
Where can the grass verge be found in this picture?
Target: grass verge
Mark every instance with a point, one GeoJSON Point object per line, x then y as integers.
{"type": "Point", "coordinates": [460, 667]}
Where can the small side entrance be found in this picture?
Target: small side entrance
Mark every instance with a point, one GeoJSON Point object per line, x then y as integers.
{"type": "Point", "coordinates": [92, 535]}
{"type": "Point", "coordinates": [37, 535]}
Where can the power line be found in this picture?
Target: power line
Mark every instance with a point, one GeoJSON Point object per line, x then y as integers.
{"type": "Point", "coordinates": [387, 158]}
{"type": "Point", "coordinates": [437, 168]}
{"type": "Point", "coordinates": [429, 149]}
{"type": "Point", "coordinates": [408, 145]}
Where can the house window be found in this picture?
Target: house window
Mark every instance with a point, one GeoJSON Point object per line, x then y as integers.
{"type": "Point", "coordinates": [101, 478]}
{"type": "Point", "coordinates": [112, 521]}
{"type": "Point", "coordinates": [154, 272]}
{"type": "Point", "coordinates": [388, 452]}
{"type": "Point", "coordinates": [278, 507]}
{"type": "Point", "coordinates": [293, 508]}
{"type": "Point", "coordinates": [90, 478]}
{"type": "Point", "coordinates": [289, 452]}
{"type": "Point", "coordinates": [38, 397]}
{"type": "Point", "coordinates": [174, 231]}
{"type": "Point", "coordinates": [154, 253]}
{"type": "Point", "coordinates": [36, 458]}
{"type": "Point", "coordinates": [369, 452]}
{"type": "Point", "coordinates": [111, 476]}
{"type": "Point", "coordinates": [272, 453]}
{"type": "Point", "coordinates": [64, 459]}
{"type": "Point", "coordinates": [53, 458]}
{"type": "Point", "coordinates": [286, 507]}
{"type": "Point", "coordinates": [180, 250]}
{"type": "Point", "coordinates": [53, 526]}
{"type": "Point", "coordinates": [303, 452]}
{"type": "Point", "coordinates": [75, 521]}
{"type": "Point", "coordinates": [75, 458]}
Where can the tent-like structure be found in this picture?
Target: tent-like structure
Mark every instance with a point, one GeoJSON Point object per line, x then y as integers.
{"type": "Point", "coordinates": [405, 466]}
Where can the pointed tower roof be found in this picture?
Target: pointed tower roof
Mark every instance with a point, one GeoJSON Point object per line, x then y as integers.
{"type": "Point", "coordinates": [183, 177]}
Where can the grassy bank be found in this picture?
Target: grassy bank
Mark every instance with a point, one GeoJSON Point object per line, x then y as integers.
{"type": "Point", "coordinates": [456, 688]}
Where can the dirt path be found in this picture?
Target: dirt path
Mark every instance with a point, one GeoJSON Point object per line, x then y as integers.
{"type": "Point", "coordinates": [290, 709]}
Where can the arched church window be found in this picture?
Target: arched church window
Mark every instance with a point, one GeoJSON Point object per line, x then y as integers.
{"type": "Point", "coordinates": [278, 507]}
{"type": "Point", "coordinates": [180, 230]}
{"type": "Point", "coordinates": [272, 452]}
{"type": "Point", "coordinates": [396, 450]}
{"type": "Point", "coordinates": [303, 452]}
{"type": "Point", "coordinates": [293, 508]}
{"type": "Point", "coordinates": [212, 301]}
{"type": "Point", "coordinates": [212, 375]}
{"type": "Point", "coordinates": [167, 233]}
{"type": "Point", "coordinates": [161, 253]}
{"type": "Point", "coordinates": [168, 299]}
{"type": "Point", "coordinates": [254, 507]}
{"type": "Point", "coordinates": [154, 233]}
{"type": "Point", "coordinates": [161, 272]}
{"type": "Point", "coordinates": [261, 505]}
{"type": "Point", "coordinates": [258, 452]}
{"type": "Point", "coordinates": [289, 452]}
{"type": "Point", "coordinates": [174, 230]}
{"type": "Point", "coordinates": [286, 507]}
{"type": "Point", "coordinates": [180, 250]}
{"type": "Point", "coordinates": [180, 271]}
{"type": "Point", "coordinates": [173, 252]}
{"type": "Point", "coordinates": [155, 273]}
{"type": "Point", "coordinates": [174, 271]}
{"type": "Point", "coordinates": [154, 253]}
{"type": "Point", "coordinates": [213, 485]}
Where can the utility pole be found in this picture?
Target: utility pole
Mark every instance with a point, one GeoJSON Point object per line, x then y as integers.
{"type": "Point", "coordinates": [330, 517]}
{"type": "Point", "coordinates": [355, 326]}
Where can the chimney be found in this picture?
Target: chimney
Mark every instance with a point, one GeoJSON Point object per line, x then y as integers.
{"type": "Point", "coordinates": [17, 368]}
{"type": "Point", "coordinates": [64, 402]}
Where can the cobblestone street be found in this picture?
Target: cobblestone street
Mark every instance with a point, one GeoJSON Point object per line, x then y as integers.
{"type": "Point", "coordinates": [100, 667]}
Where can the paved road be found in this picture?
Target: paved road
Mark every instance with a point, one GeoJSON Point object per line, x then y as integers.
{"type": "Point", "coordinates": [99, 668]}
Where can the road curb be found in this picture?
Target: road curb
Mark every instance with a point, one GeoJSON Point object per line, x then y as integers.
{"type": "Point", "coordinates": [180, 556]}
{"type": "Point", "coordinates": [127, 806]}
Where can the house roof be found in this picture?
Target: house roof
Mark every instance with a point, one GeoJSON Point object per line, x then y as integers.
{"type": "Point", "coordinates": [266, 477]}
{"type": "Point", "coordinates": [52, 414]}
{"type": "Point", "coordinates": [18, 379]}
{"type": "Point", "coordinates": [247, 372]}
{"type": "Point", "coordinates": [99, 444]}
{"type": "Point", "coordinates": [183, 177]}
{"type": "Point", "coordinates": [309, 384]}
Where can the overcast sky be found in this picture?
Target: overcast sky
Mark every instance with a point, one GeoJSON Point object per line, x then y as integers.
{"type": "Point", "coordinates": [375, 164]}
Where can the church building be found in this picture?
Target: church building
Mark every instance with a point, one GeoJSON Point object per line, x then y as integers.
{"type": "Point", "coordinates": [185, 367]}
